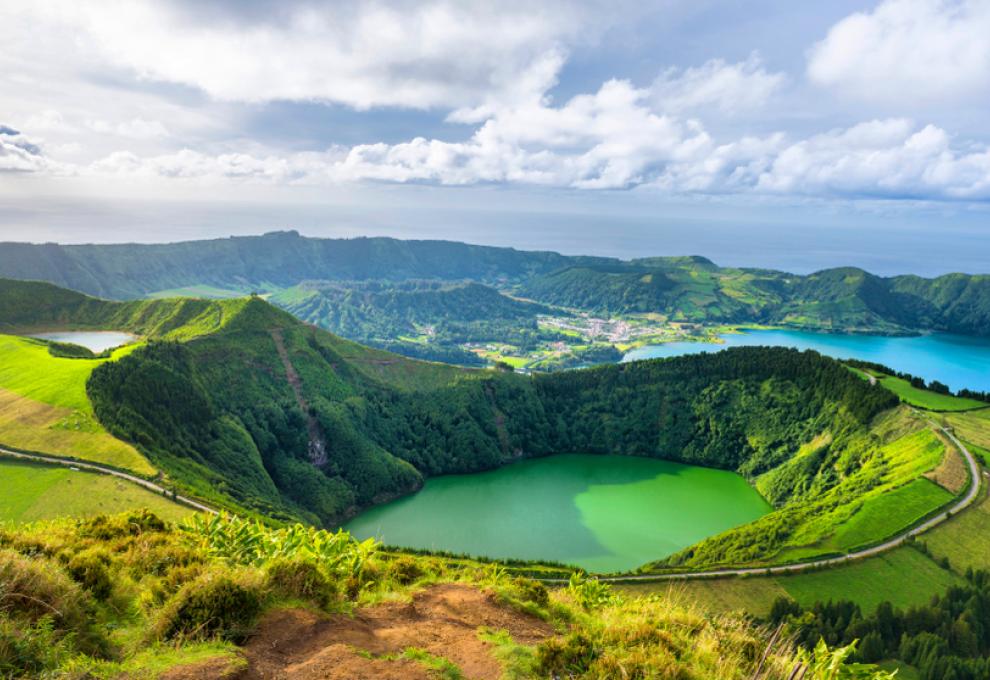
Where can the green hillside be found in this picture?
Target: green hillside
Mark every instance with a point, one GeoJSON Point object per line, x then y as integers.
{"type": "Point", "coordinates": [842, 299]}
{"type": "Point", "coordinates": [420, 319]}
{"type": "Point", "coordinates": [683, 288]}
{"type": "Point", "coordinates": [274, 260]}
{"type": "Point", "coordinates": [247, 407]}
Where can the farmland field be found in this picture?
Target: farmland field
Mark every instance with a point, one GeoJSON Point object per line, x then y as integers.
{"type": "Point", "coordinates": [30, 492]}
{"type": "Point", "coordinates": [44, 407]}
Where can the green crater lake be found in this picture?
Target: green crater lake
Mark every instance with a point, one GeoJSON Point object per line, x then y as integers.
{"type": "Point", "coordinates": [603, 513]}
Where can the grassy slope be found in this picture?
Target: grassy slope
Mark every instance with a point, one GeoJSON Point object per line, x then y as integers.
{"type": "Point", "coordinates": [146, 598]}
{"type": "Point", "coordinates": [31, 492]}
{"type": "Point", "coordinates": [973, 427]}
{"type": "Point", "coordinates": [963, 539]}
{"type": "Point", "coordinates": [927, 399]}
{"type": "Point", "coordinates": [44, 407]}
{"type": "Point", "coordinates": [888, 513]}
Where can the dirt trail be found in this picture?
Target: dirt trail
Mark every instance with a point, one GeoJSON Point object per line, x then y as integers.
{"type": "Point", "coordinates": [317, 443]}
{"type": "Point", "coordinates": [443, 620]}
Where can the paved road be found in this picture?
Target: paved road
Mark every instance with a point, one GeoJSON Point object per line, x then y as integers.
{"type": "Point", "coordinates": [962, 504]}
{"type": "Point", "coordinates": [96, 467]}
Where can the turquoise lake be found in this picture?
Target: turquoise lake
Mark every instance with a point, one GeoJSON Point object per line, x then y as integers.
{"type": "Point", "coordinates": [603, 513]}
{"type": "Point", "coordinates": [94, 341]}
{"type": "Point", "coordinates": [956, 360]}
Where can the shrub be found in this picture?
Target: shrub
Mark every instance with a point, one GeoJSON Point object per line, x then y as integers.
{"type": "Point", "coordinates": [30, 650]}
{"type": "Point", "coordinates": [572, 655]}
{"type": "Point", "coordinates": [590, 593]}
{"type": "Point", "coordinates": [89, 569]}
{"type": "Point", "coordinates": [405, 570]}
{"type": "Point", "coordinates": [219, 603]}
{"type": "Point", "coordinates": [105, 527]}
{"type": "Point", "coordinates": [532, 591]}
{"type": "Point", "coordinates": [302, 579]}
{"type": "Point", "coordinates": [36, 589]}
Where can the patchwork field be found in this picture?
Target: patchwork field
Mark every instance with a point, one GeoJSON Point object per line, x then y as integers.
{"type": "Point", "coordinates": [30, 492]}
{"type": "Point", "coordinates": [44, 407]}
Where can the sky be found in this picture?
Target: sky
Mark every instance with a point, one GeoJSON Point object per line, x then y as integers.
{"type": "Point", "coordinates": [762, 133]}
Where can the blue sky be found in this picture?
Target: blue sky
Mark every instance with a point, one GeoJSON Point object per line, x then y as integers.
{"type": "Point", "coordinates": [610, 127]}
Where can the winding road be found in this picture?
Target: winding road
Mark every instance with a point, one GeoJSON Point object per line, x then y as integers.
{"type": "Point", "coordinates": [101, 469]}
{"type": "Point", "coordinates": [971, 495]}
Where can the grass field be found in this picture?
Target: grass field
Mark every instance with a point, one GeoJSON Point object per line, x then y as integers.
{"type": "Point", "coordinates": [972, 426]}
{"type": "Point", "coordinates": [30, 492]}
{"type": "Point", "coordinates": [904, 577]}
{"type": "Point", "coordinates": [44, 407]}
{"type": "Point", "coordinates": [927, 399]}
{"type": "Point", "coordinates": [888, 513]}
{"type": "Point", "coordinates": [965, 540]}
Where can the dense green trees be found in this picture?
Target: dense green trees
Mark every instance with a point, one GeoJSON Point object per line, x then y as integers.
{"type": "Point", "coordinates": [946, 639]}
{"type": "Point", "coordinates": [219, 414]}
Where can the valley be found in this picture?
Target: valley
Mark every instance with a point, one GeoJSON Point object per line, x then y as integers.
{"type": "Point", "coordinates": [790, 457]}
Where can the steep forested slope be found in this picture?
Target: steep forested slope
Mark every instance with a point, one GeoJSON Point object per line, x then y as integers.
{"type": "Point", "coordinates": [260, 412]}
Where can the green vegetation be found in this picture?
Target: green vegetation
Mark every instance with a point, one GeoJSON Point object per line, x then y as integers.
{"type": "Point", "coordinates": [295, 423]}
{"type": "Point", "coordinates": [130, 595]}
{"type": "Point", "coordinates": [926, 399]}
{"type": "Point", "coordinates": [43, 406]}
{"type": "Point", "coordinates": [31, 491]}
{"type": "Point", "coordinates": [905, 577]}
{"type": "Point", "coordinates": [842, 299]}
{"type": "Point", "coordinates": [886, 514]}
{"type": "Point", "coordinates": [683, 288]}
{"type": "Point", "coordinates": [239, 438]}
{"type": "Point", "coordinates": [947, 637]}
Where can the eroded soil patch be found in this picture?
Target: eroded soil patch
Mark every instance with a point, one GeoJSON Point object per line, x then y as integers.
{"type": "Point", "coordinates": [443, 620]}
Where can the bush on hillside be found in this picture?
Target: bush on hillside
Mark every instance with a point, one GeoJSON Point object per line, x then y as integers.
{"type": "Point", "coordinates": [34, 590]}
{"type": "Point", "coordinates": [89, 569]}
{"type": "Point", "coordinates": [106, 527]}
{"type": "Point", "coordinates": [405, 570]}
{"type": "Point", "coordinates": [220, 603]}
{"type": "Point", "coordinates": [27, 650]}
{"type": "Point", "coordinates": [300, 579]}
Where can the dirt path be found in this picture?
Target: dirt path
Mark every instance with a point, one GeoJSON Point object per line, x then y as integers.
{"type": "Point", "coordinates": [317, 443]}
{"type": "Point", "coordinates": [96, 467]}
{"type": "Point", "coordinates": [443, 620]}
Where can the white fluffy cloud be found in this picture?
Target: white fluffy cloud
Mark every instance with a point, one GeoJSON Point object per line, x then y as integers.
{"type": "Point", "coordinates": [438, 53]}
{"type": "Point", "coordinates": [730, 88]}
{"type": "Point", "coordinates": [908, 51]}
{"type": "Point", "coordinates": [607, 140]}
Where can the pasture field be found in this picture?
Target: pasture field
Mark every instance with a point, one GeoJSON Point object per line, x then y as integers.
{"type": "Point", "coordinates": [888, 513]}
{"type": "Point", "coordinates": [933, 401]}
{"type": "Point", "coordinates": [964, 540]}
{"type": "Point", "coordinates": [44, 407]}
{"type": "Point", "coordinates": [904, 577]}
{"type": "Point", "coordinates": [31, 492]}
{"type": "Point", "coordinates": [972, 426]}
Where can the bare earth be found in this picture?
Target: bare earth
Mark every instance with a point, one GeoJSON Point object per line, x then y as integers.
{"type": "Point", "coordinates": [443, 620]}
